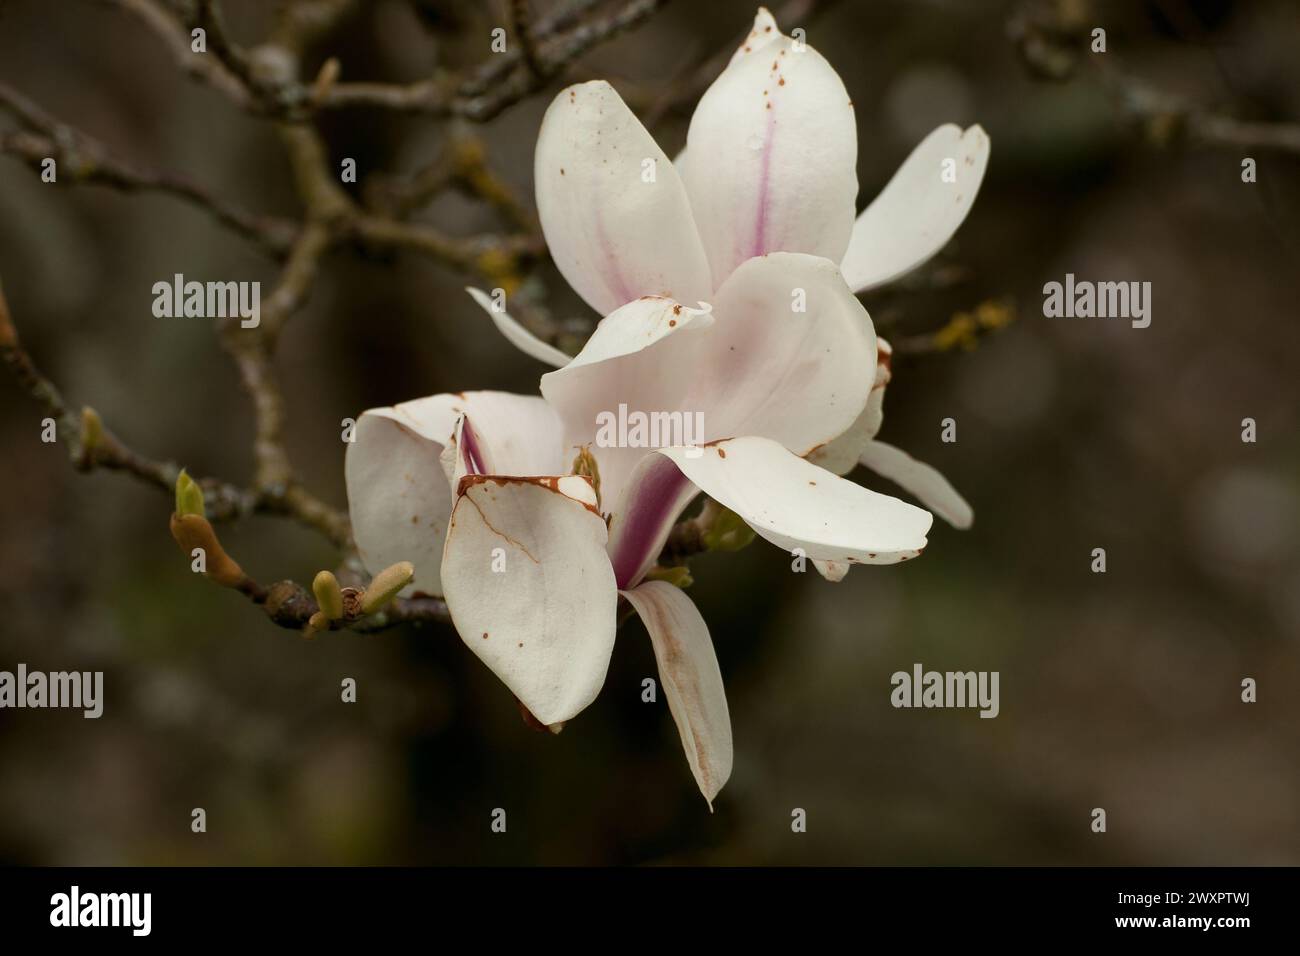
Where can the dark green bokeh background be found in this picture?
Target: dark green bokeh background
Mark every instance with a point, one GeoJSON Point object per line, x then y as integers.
{"type": "Point", "coordinates": [1118, 691]}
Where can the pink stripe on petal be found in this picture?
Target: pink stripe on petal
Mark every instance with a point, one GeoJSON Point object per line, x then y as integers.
{"type": "Point", "coordinates": [658, 493]}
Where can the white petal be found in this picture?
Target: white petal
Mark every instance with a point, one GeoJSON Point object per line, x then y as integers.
{"type": "Point", "coordinates": [797, 505]}
{"type": "Point", "coordinates": [692, 682]}
{"type": "Point", "coordinates": [833, 571]}
{"type": "Point", "coordinates": [398, 497]}
{"type": "Point", "coordinates": [613, 234]}
{"type": "Point", "coordinates": [764, 32]}
{"type": "Point", "coordinates": [545, 624]}
{"type": "Point", "coordinates": [841, 455]}
{"type": "Point", "coordinates": [931, 488]}
{"type": "Point", "coordinates": [918, 212]}
{"type": "Point", "coordinates": [756, 365]}
{"type": "Point", "coordinates": [519, 336]}
{"type": "Point", "coordinates": [770, 158]}
{"type": "Point", "coordinates": [643, 356]}
{"type": "Point", "coordinates": [797, 377]}
{"type": "Point", "coordinates": [517, 435]}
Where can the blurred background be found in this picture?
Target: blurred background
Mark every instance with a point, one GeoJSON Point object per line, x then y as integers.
{"type": "Point", "coordinates": [1118, 690]}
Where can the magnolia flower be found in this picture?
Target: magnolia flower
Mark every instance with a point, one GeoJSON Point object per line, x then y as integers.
{"type": "Point", "coordinates": [769, 166]}
{"type": "Point", "coordinates": [479, 491]}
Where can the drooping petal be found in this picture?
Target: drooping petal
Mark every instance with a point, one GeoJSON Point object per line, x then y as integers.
{"type": "Point", "coordinates": [918, 212]}
{"type": "Point", "coordinates": [612, 207]}
{"type": "Point", "coordinates": [519, 336]}
{"type": "Point", "coordinates": [797, 505]}
{"type": "Point", "coordinates": [530, 587]}
{"type": "Point", "coordinates": [930, 487]}
{"type": "Point", "coordinates": [770, 158]}
{"type": "Point", "coordinates": [398, 498]}
{"type": "Point", "coordinates": [692, 681]}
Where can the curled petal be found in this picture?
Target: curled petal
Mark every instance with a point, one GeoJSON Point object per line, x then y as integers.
{"type": "Point", "coordinates": [918, 212]}
{"type": "Point", "coordinates": [770, 158]}
{"type": "Point", "coordinates": [930, 487]}
{"type": "Point", "coordinates": [518, 336]}
{"type": "Point", "coordinates": [796, 505]}
{"type": "Point", "coordinates": [612, 207]}
{"type": "Point", "coordinates": [513, 434]}
{"type": "Point", "coordinates": [530, 588]}
{"type": "Point", "coordinates": [842, 453]}
{"type": "Point", "coordinates": [692, 681]}
{"type": "Point", "coordinates": [398, 497]}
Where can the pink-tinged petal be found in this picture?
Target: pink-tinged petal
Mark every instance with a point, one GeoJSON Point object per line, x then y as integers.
{"type": "Point", "coordinates": [918, 212]}
{"type": "Point", "coordinates": [398, 498]}
{"type": "Point", "coordinates": [399, 495]}
{"type": "Point", "coordinates": [518, 336]}
{"type": "Point", "coordinates": [530, 588]}
{"type": "Point", "coordinates": [841, 455]}
{"type": "Point", "coordinates": [644, 356]}
{"type": "Point", "coordinates": [781, 356]}
{"type": "Point", "coordinates": [797, 505]}
{"type": "Point", "coordinates": [772, 370]}
{"type": "Point", "coordinates": [931, 488]}
{"type": "Point", "coordinates": [770, 158]}
{"type": "Point", "coordinates": [692, 681]}
{"type": "Point", "coordinates": [657, 494]}
{"type": "Point", "coordinates": [615, 231]}
{"type": "Point", "coordinates": [514, 434]}
{"type": "Point", "coordinates": [463, 455]}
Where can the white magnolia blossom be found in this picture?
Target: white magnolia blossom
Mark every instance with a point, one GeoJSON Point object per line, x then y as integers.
{"type": "Point", "coordinates": [476, 489]}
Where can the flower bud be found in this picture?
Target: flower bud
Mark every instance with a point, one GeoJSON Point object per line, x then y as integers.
{"type": "Point", "coordinates": [189, 496]}
{"type": "Point", "coordinates": [585, 464]}
{"type": "Point", "coordinates": [316, 623]}
{"type": "Point", "coordinates": [328, 595]}
{"type": "Point", "coordinates": [385, 586]}
{"type": "Point", "coordinates": [193, 531]}
{"type": "Point", "coordinates": [727, 532]}
{"type": "Point", "coordinates": [92, 430]}
{"type": "Point", "coordinates": [678, 576]}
